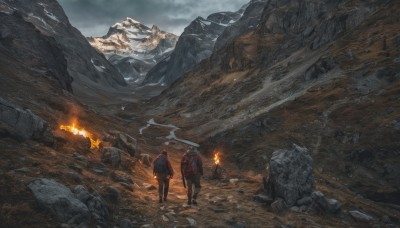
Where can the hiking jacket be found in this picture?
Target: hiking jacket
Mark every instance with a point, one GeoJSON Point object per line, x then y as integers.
{"type": "Point", "coordinates": [186, 158]}
{"type": "Point", "coordinates": [169, 167]}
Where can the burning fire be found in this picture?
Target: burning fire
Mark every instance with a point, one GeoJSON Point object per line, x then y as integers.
{"type": "Point", "coordinates": [94, 143]}
{"type": "Point", "coordinates": [216, 158]}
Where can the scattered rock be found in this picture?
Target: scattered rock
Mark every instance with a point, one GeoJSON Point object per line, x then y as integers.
{"type": "Point", "coordinates": [291, 175]}
{"type": "Point", "coordinates": [74, 176]}
{"type": "Point", "coordinates": [304, 201]}
{"type": "Point", "coordinates": [80, 158]}
{"type": "Point", "coordinates": [23, 170]}
{"type": "Point", "coordinates": [126, 223]}
{"type": "Point", "coordinates": [149, 187]}
{"type": "Point", "coordinates": [145, 159]}
{"type": "Point", "coordinates": [295, 209]}
{"type": "Point", "coordinates": [96, 205]}
{"type": "Point", "coordinates": [60, 201]}
{"type": "Point", "coordinates": [121, 177]}
{"type": "Point", "coordinates": [328, 205]}
{"type": "Point", "coordinates": [278, 206]}
{"type": "Point", "coordinates": [263, 198]}
{"type": "Point", "coordinates": [111, 194]}
{"type": "Point", "coordinates": [360, 216]}
{"type": "Point", "coordinates": [98, 168]}
{"type": "Point", "coordinates": [123, 141]}
{"type": "Point", "coordinates": [126, 186]}
{"type": "Point", "coordinates": [75, 167]}
{"type": "Point", "coordinates": [191, 221]}
{"type": "Point", "coordinates": [386, 219]}
{"type": "Point", "coordinates": [111, 155]}
{"type": "Point", "coordinates": [234, 180]}
{"type": "Point", "coordinates": [218, 209]}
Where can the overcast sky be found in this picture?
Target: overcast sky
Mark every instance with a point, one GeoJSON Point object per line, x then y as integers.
{"type": "Point", "coordinates": [94, 17]}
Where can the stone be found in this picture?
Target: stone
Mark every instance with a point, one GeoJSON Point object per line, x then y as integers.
{"type": "Point", "coordinates": [98, 208]}
{"type": "Point", "coordinates": [145, 159]}
{"type": "Point", "coordinates": [304, 201]}
{"type": "Point", "coordinates": [112, 194]}
{"type": "Point", "coordinates": [80, 158]}
{"type": "Point", "coordinates": [125, 223]}
{"type": "Point", "coordinates": [263, 198]}
{"type": "Point", "coordinates": [121, 177]}
{"type": "Point", "coordinates": [278, 206]}
{"type": "Point", "coordinates": [386, 219]}
{"type": "Point", "coordinates": [234, 180]}
{"type": "Point", "coordinates": [149, 187]}
{"type": "Point", "coordinates": [23, 170]}
{"type": "Point", "coordinates": [360, 216]}
{"type": "Point", "coordinates": [60, 201]}
{"type": "Point", "coordinates": [111, 155]}
{"type": "Point", "coordinates": [291, 174]}
{"type": "Point", "coordinates": [328, 205]}
{"type": "Point", "coordinates": [295, 209]}
{"type": "Point", "coordinates": [191, 221]}
{"type": "Point", "coordinates": [22, 122]}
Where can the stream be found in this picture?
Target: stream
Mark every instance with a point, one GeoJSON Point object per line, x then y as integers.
{"type": "Point", "coordinates": [171, 135]}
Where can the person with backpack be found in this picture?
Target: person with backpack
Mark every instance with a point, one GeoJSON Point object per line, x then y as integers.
{"type": "Point", "coordinates": [163, 171]}
{"type": "Point", "coordinates": [192, 170]}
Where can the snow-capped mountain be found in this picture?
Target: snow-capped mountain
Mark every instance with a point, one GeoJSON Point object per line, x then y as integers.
{"type": "Point", "coordinates": [134, 48]}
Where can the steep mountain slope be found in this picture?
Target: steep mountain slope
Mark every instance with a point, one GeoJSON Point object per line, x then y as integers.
{"type": "Point", "coordinates": [197, 42]}
{"type": "Point", "coordinates": [134, 48]}
{"type": "Point", "coordinates": [323, 74]}
{"type": "Point", "coordinates": [48, 25]}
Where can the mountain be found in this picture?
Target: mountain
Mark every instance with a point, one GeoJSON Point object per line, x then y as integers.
{"type": "Point", "coordinates": [197, 42]}
{"type": "Point", "coordinates": [323, 74]}
{"type": "Point", "coordinates": [39, 34]}
{"type": "Point", "coordinates": [134, 48]}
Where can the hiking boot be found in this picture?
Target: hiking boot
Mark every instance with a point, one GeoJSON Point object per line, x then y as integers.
{"type": "Point", "coordinates": [160, 200]}
{"type": "Point", "coordinates": [165, 199]}
{"type": "Point", "coordinates": [189, 202]}
{"type": "Point", "coordinates": [194, 201]}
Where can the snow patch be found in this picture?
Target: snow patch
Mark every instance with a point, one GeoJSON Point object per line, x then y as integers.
{"type": "Point", "coordinates": [48, 13]}
{"type": "Point", "coordinates": [98, 67]}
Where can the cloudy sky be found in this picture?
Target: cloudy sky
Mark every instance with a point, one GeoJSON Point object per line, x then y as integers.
{"type": "Point", "coordinates": [94, 17]}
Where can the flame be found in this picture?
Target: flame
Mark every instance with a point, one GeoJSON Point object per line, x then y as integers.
{"type": "Point", "coordinates": [94, 143]}
{"type": "Point", "coordinates": [216, 158]}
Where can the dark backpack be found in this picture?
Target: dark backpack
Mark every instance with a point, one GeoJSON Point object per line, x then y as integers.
{"type": "Point", "coordinates": [190, 165]}
{"type": "Point", "coordinates": [160, 165]}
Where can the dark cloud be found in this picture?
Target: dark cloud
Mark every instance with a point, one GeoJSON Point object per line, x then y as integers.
{"type": "Point", "coordinates": [94, 17]}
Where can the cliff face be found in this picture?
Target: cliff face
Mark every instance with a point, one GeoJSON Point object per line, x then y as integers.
{"type": "Point", "coordinates": [31, 26]}
{"type": "Point", "coordinates": [313, 73]}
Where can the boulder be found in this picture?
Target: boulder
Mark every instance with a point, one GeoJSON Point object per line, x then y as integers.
{"type": "Point", "coordinates": [22, 122]}
{"type": "Point", "coordinates": [98, 208]}
{"type": "Point", "coordinates": [304, 201]}
{"type": "Point", "coordinates": [291, 174]}
{"type": "Point", "coordinates": [145, 159]}
{"type": "Point", "coordinates": [112, 194]}
{"type": "Point", "coordinates": [60, 201]}
{"type": "Point", "coordinates": [123, 141]}
{"type": "Point", "coordinates": [278, 206]}
{"type": "Point", "coordinates": [328, 205]}
{"type": "Point", "coordinates": [263, 198]}
{"type": "Point", "coordinates": [112, 155]}
{"type": "Point", "coordinates": [360, 216]}
{"type": "Point", "coordinates": [121, 177]}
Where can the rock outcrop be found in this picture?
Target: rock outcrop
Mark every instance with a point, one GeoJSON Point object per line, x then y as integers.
{"type": "Point", "coordinates": [22, 123]}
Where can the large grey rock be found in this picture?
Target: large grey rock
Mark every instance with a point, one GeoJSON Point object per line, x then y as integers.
{"type": "Point", "coordinates": [328, 205]}
{"type": "Point", "coordinates": [59, 200]}
{"type": "Point", "coordinates": [25, 124]}
{"type": "Point", "coordinates": [360, 216]}
{"type": "Point", "coordinates": [262, 198]}
{"type": "Point", "coordinates": [112, 155]}
{"type": "Point", "coordinates": [97, 206]}
{"type": "Point", "coordinates": [291, 174]}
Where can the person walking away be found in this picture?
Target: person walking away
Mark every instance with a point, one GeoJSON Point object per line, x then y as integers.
{"type": "Point", "coordinates": [163, 171]}
{"type": "Point", "coordinates": [192, 170]}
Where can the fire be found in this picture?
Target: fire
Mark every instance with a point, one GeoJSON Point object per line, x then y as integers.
{"type": "Point", "coordinates": [94, 143]}
{"type": "Point", "coordinates": [216, 158]}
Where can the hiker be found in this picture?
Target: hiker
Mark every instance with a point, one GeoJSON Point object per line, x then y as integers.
{"type": "Point", "coordinates": [163, 171]}
{"type": "Point", "coordinates": [192, 170]}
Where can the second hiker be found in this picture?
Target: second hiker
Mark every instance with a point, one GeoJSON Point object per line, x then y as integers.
{"type": "Point", "coordinates": [192, 170]}
{"type": "Point", "coordinates": [163, 171]}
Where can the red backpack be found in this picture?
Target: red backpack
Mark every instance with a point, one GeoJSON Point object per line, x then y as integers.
{"type": "Point", "coordinates": [189, 164]}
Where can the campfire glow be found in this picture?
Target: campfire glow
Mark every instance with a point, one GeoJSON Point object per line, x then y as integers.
{"type": "Point", "coordinates": [94, 143]}
{"type": "Point", "coordinates": [216, 158]}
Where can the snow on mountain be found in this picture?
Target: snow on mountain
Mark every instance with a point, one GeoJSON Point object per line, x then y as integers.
{"type": "Point", "coordinates": [134, 48]}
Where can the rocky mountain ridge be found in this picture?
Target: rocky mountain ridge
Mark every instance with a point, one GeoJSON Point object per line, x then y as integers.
{"type": "Point", "coordinates": [134, 48]}
{"type": "Point", "coordinates": [71, 60]}
{"type": "Point", "coordinates": [197, 41]}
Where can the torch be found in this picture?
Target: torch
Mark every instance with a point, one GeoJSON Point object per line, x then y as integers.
{"type": "Point", "coordinates": [217, 173]}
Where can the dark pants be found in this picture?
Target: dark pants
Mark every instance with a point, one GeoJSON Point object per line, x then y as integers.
{"type": "Point", "coordinates": [163, 186]}
{"type": "Point", "coordinates": [193, 180]}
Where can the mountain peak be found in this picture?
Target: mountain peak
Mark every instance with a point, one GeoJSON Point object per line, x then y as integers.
{"type": "Point", "coordinates": [127, 22]}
